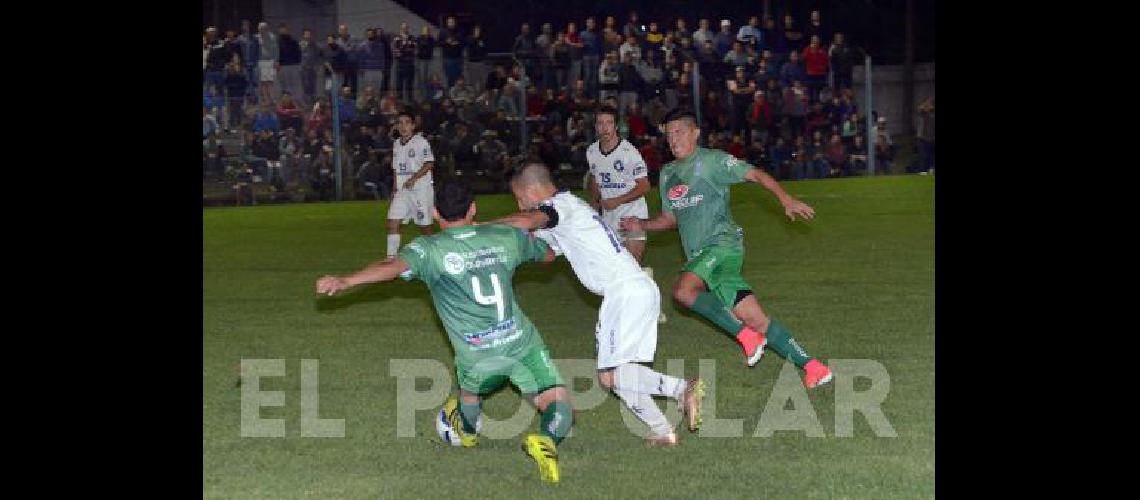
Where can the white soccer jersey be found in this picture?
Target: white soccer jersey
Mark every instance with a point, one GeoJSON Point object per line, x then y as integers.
{"type": "Point", "coordinates": [616, 173]}
{"type": "Point", "coordinates": [594, 251]}
{"type": "Point", "coordinates": [407, 159]}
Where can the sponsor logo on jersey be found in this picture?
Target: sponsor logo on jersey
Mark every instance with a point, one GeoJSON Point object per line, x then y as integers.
{"type": "Point", "coordinates": [453, 263]}
{"type": "Point", "coordinates": [677, 192]}
{"type": "Point", "coordinates": [618, 166]}
{"type": "Point", "coordinates": [731, 161]}
{"type": "Point", "coordinates": [418, 249]}
{"type": "Point", "coordinates": [492, 336]}
{"type": "Point", "coordinates": [411, 153]}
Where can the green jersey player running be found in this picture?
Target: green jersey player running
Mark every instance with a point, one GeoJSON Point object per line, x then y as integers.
{"type": "Point", "coordinates": [694, 199]}
{"type": "Point", "coordinates": [468, 269]}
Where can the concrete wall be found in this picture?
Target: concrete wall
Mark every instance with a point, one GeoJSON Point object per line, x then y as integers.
{"type": "Point", "coordinates": [889, 93]}
{"type": "Point", "coordinates": [299, 14]}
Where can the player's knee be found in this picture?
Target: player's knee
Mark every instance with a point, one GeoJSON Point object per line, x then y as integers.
{"type": "Point", "coordinates": [684, 295]}
{"type": "Point", "coordinates": [606, 379]}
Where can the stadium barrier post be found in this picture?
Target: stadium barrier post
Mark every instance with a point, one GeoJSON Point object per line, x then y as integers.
{"type": "Point", "coordinates": [336, 134]}
{"type": "Point", "coordinates": [870, 135]}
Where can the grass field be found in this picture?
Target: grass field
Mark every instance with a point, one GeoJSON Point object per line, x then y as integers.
{"type": "Point", "coordinates": [856, 283]}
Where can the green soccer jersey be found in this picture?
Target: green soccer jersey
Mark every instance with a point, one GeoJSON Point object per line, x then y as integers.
{"type": "Point", "coordinates": [468, 271]}
{"type": "Point", "coordinates": [695, 190]}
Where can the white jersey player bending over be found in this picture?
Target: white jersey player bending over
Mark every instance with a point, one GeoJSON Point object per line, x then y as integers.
{"type": "Point", "coordinates": [618, 182]}
{"type": "Point", "coordinates": [626, 332]}
{"type": "Point", "coordinates": [412, 162]}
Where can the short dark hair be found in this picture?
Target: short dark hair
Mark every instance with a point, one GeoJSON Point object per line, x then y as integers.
{"type": "Point", "coordinates": [606, 110]}
{"type": "Point", "coordinates": [408, 113]}
{"type": "Point", "coordinates": [452, 200]}
{"type": "Point", "coordinates": [679, 113]}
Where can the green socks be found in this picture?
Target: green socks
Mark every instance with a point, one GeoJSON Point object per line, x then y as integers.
{"type": "Point", "coordinates": [556, 420]}
{"type": "Point", "coordinates": [469, 414]}
{"type": "Point", "coordinates": [711, 308]}
{"type": "Point", "coordinates": [781, 341]}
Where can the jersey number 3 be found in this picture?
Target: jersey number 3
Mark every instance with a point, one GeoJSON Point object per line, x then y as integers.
{"type": "Point", "coordinates": [496, 297]}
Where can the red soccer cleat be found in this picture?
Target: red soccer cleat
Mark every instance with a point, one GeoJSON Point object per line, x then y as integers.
{"type": "Point", "coordinates": [816, 374]}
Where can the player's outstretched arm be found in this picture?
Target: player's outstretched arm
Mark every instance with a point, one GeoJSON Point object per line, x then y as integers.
{"type": "Point", "coordinates": [382, 270]}
{"type": "Point", "coordinates": [527, 220]}
{"type": "Point", "coordinates": [663, 222]}
{"type": "Point", "coordinates": [792, 206]}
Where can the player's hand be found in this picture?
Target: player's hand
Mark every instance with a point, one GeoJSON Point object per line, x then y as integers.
{"type": "Point", "coordinates": [632, 224]}
{"type": "Point", "coordinates": [330, 285]}
{"type": "Point", "coordinates": [411, 182]}
{"type": "Point", "coordinates": [610, 203]}
{"type": "Point", "coordinates": [796, 207]}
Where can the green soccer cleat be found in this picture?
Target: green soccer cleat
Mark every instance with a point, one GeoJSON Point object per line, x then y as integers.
{"type": "Point", "coordinates": [545, 453]}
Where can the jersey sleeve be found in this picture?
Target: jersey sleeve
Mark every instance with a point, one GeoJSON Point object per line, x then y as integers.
{"type": "Point", "coordinates": [727, 169]}
{"type": "Point", "coordinates": [425, 152]}
{"type": "Point", "coordinates": [416, 256]}
{"type": "Point", "coordinates": [530, 248]}
{"type": "Point", "coordinates": [637, 167]}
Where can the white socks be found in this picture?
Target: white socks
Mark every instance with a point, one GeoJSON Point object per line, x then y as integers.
{"type": "Point", "coordinates": [636, 385]}
{"type": "Point", "coordinates": [393, 244]}
{"type": "Point", "coordinates": [641, 379]}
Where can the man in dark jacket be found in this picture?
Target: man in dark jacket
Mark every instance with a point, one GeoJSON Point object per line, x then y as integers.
{"type": "Point", "coordinates": [373, 64]}
{"type": "Point", "coordinates": [289, 57]}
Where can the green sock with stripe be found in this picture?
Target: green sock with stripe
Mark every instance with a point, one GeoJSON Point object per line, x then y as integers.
{"type": "Point", "coordinates": [556, 420]}
{"type": "Point", "coordinates": [781, 341]}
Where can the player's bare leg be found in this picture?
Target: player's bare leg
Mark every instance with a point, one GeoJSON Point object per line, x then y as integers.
{"type": "Point", "coordinates": [780, 340]}
{"type": "Point", "coordinates": [557, 418]}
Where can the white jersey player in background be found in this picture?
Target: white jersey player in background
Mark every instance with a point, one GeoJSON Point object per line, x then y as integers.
{"type": "Point", "coordinates": [626, 332]}
{"type": "Point", "coordinates": [412, 161]}
{"type": "Point", "coordinates": [618, 182]}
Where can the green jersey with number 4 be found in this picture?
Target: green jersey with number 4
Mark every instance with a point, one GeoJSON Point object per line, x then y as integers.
{"type": "Point", "coordinates": [468, 271]}
{"type": "Point", "coordinates": [696, 190]}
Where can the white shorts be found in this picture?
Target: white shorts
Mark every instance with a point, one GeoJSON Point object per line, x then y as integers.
{"type": "Point", "coordinates": [413, 205]}
{"type": "Point", "coordinates": [627, 322]}
{"type": "Point", "coordinates": [267, 71]}
{"type": "Point", "coordinates": [636, 208]}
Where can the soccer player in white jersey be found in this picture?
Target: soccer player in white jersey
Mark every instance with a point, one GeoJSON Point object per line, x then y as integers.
{"type": "Point", "coordinates": [412, 161]}
{"type": "Point", "coordinates": [618, 182]}
{"type": "Point", "coordinates": [626, 331]}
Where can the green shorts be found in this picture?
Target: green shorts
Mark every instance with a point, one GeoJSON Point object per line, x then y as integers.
{"type": "Point", "coordinates": [534, 373]}
{"type": "Point", "coordinates": [720, 268]}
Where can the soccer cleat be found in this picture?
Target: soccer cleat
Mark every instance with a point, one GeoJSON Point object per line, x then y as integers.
{"type": "Point", "coordinates": [456, 421]}
{"type": "Point", "coordinates": [545, 454]}
{"type": "Point", "coordinates": [691, 402]}
{"type": "Point", "coordinates": [816, 374]}
{"type": "Point", "coordinates": [754, 339]}
{"type": "Point", "coordinates": [668, 440]}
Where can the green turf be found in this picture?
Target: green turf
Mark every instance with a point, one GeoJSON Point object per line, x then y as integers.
{"type": "Point", "coordinates": [856, 283]}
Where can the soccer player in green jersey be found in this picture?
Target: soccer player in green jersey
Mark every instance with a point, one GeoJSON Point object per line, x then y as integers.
{"type": "Point", "coordinates": [695, 199]}
{"type": "Point", "coordinates": [468, 269]}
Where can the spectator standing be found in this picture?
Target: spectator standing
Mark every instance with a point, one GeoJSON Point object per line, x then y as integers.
{"type": "Point", "coordinates": [352, 58]}
{"type": "Point", "coordinates": [476, 47]}
{"type": "Point", "coordinates": [633, 27]}
{"type": "Point", "coordinates": [792, 70]}
{"type": "Point", "coordinates": [654, 38]}
{"type": "Point", "coordinates": [630, 50]}
{"type": "Point", "coordinates": [722, 41]}
{"type": "Point", "coordinates": [236, 83]}
{"type": "Point", "coordinates": [560, 56]}
{"type": "Point", "coordinates": [425, 51]}
{"type": "Point", "coordinates": [591, 56]}
{"type": "Point", "coordinates": [267, 62]}
{"type": "Point", "coordinates": [574, 42]}
{"type": "Point", "coordinates": [289, 63]}
{"type": "Point", "coordinates": [815, 27]}
{"type": "Point", "coordinates": [759, 116]}
{"type": "Point", "coordinates": [925, 136]}
{"type": "Point", "coordinates": [609, 76]}
{"type": "Point", "coordinates": [751, 35]}
{"type": "Point", "coordinates": [795, 107]}
{"type": "Point", "coordinates": [404, 47]}
{"type": "Point", "coordinates": [543, 46]}
{"type": "Point", "coordinates": [217, 55]}
{"type": "Point", "coordinates": [311, 64]}
{"type": "Point", "coordinates": [451, 51]}
{"type": "Point", "coordinates": [372, 60]}
{"type": "Point", "coordinates": [792, 35]}
{"type": "Point", "coordinates": [737, 57]}
{"type": "Point", "coordinates": [703, 34]}
{"type": "Point", "coordinates": [741, 92]}
{"type": "Point", "coordinates": [630, 84]}
{"type": "Point", "coordinates": [681, 31]}
{"type": "Point", "coordinates": [525, 52]}
{"type": "Point", "coordinates": [815, 66]}
{"type": "Point", "coordinates": [247, 43]}
{"type": "Point", "coordinates": [843, 61]}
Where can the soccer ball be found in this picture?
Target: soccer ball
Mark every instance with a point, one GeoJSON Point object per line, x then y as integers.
{"type": "Point", "coordinates": [446, 433]}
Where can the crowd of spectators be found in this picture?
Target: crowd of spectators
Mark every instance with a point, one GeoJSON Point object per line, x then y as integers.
{"type": "Point", "coordinates": [777, 95]}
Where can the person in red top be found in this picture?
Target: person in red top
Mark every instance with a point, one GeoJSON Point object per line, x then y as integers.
{"type": "Point", "coordinates": [637, 126]}
{"type": "Point", "coordinates": [534, 101]}
{"type": "Point", "coordinates": [736, 148]}
{"type": "Point", "coordinates": [652, 156]}
{"type": "Point", "coordinates": [759, 117]}
{"type": "Point", "coordinates": [816, 63]}
{"type": "Point", "coordinates": [288, 113]}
